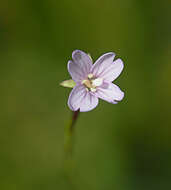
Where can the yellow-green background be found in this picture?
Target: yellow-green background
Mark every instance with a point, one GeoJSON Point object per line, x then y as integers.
{"type": "Point", "coordinates": [117, 147]}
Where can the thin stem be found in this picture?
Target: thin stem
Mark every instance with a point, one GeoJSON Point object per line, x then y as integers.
{"type": "Point", "coordinates": [68, 161]}
{"type": "Point", "coordinates": [74, 119]}
{"type": "Point", "coordinates": [69, 135]}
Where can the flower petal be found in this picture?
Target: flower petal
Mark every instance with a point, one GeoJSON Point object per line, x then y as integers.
{"type": "Point", "coordinates": [111, 94]}
{"type": "Point", "coordinates": [79, 98]}
{"type": "Point", "coordinates": [113, 71]}
{"type": "Point", "coordinates": [89, 102]}
{"type": "Point", "coordinates": [83, 60]}
{"type": "Point", "coordinates": [75, 97]}
{"type": "Point", "coordinates": [102, 63]}
{"type": "Point", "coordinates": [75, 71]}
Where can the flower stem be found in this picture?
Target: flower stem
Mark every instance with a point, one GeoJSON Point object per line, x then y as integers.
{"type": "Point", "coordinates": [69, 135]}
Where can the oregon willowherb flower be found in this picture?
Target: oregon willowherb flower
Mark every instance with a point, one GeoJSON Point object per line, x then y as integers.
{"type": "Point", "coordinates": [93, 81]}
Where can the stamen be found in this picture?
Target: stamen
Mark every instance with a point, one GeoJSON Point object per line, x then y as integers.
{"type": "Point", "coordinates": [83, 82]}
{"type": "Point", "coordinates": [91, 83]}
{"type": "Point", "coordinates": [87, 83]}
{"type": "Point", "coordinates": [93, 89]}
{"type": "Point", "coordinates": [90, 76]}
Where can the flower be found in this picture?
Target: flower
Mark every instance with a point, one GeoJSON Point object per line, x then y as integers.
{"type": "Point", "coordinates": [93, 81]}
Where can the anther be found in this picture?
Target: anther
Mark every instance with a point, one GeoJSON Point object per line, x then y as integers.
{"type": "Point", "coordinates": [90, 76]}
{"type": "Point", "coordinates": [93, 89]}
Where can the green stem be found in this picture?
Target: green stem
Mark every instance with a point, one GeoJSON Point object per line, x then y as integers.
{"type": "Point", "coordinates": [68, 161]}
{"type": "Point", "coordinates": [69, 135]}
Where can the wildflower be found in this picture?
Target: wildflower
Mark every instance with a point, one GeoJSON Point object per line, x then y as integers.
{"type": "Point", "coordinates": [93, 81]}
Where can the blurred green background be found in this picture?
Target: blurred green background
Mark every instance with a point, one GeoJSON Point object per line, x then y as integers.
{"type": "Point", "coordinates": [125, 146]}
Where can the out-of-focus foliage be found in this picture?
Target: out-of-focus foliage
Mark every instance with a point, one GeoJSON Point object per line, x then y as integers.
{"type": "Point", "coordinates": [124, 146]}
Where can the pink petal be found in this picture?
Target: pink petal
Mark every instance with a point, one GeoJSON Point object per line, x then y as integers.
{"type": "Point", "coordinates": [83, 60]}
{"type": "Point", "coordinates": [102, 63]}
{"type": "Point", "coordinates": [113, 71]}
{"type": "Point", "coordinates": [111, 94]}
{"type": "Point", "coordinates": [79, 98]}
{"type": "Point", "coordinates": [75, 71]}
{"type": "Point", "coordinates": [89, 102]}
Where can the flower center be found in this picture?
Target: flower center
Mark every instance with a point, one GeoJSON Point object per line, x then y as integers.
{"type": "Point", "coordinates": [92, 82]}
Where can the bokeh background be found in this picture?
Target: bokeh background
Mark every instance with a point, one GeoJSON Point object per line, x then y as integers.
{"type": "Point", "coordinates": [125, 146]}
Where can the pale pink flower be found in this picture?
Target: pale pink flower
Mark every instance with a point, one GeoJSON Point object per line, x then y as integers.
{"type": "Point", "coordinates": [93, 81]}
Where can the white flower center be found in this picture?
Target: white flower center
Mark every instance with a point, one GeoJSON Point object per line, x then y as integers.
{"type": "Point", "coordinates": [97, 82]}
{"type": "Point", "coordinates": [91, 82]}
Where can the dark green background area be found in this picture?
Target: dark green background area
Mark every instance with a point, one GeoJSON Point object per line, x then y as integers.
{"type": "Point", "coordinates": [125, 146]}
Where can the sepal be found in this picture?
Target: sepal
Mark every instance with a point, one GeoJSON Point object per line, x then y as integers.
{"type": "Point", "coordinates": [68, 83]}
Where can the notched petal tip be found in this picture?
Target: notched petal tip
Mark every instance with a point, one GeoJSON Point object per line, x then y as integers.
{"type": "Point", "coordinates": [75, 71]}
{"type": "Point", "coordinates": [82, 60]}
{"type": "Point", "coordinates": [108, 54]}
{"type": "Point", "coordinates": [122, 95]}
{"type": "Point", "coordinates": [78, 55]}
{"type": "Point", "coordinates": [112, 94]}
{"type": "Point", "coordinates": [116, 101]}
{"type": "Point", "coordinates": [119, 64]}
{"type": "Point", "coordinates": [113, 70]}
{"type": "Point", "coordinates": [120, 98]}
{"type": "Point", "coordinates": [108, 57]}
{"type": "Point", "coordinates": [102, 63]}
